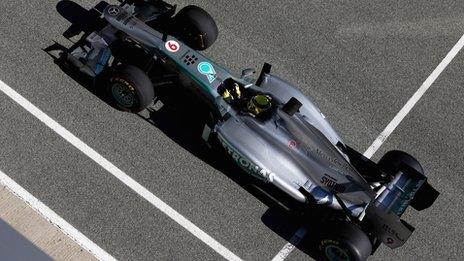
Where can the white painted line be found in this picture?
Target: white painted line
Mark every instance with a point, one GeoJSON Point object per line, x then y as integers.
{"type": "Point", "coordinates": [54, 219]}
{"type": "Point", "coordinates": [290, 246]}
{"type": "Point", "coordinates": [119, 174]}
{"type": "Point", "coordinates": [414, 99]}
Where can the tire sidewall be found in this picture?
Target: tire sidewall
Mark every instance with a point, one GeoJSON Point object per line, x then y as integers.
{"type": "Point", "coordinates": [130, 87]}
{"type": "Point", "coordinates": [193, 21]}
{"type": "Point", "coordinates": [390, 162]}
{"type": "Point", "coordinates": [133, 81]}
{"type": "Point", "coordinates": [345, 236]}
{"type": "Point", "coordinates": [330, 244]}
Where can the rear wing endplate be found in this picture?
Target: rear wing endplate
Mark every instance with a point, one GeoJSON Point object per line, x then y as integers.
{"type": "Point", "coordinates": [388, 227]}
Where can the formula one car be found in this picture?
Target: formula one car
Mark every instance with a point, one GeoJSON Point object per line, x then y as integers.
{"type": "Point", "coordinates": [269, 128]}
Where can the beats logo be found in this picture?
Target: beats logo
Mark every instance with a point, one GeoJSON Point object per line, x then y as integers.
{"type": "Point", "coordinates": [172, 46]}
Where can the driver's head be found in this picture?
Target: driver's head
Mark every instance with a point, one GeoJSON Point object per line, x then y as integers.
{"type": "Point", "coordinates": [259, 104]}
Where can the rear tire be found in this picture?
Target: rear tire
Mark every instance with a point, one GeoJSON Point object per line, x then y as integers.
{"type": "Point", "coordinates": [196, 27]}
{"type": "Point", "coordinates": [344, 241]}
{"type": "Point", "coordinates": [130, 89]}
{"type": "Point", "coordinates": [391, 162]}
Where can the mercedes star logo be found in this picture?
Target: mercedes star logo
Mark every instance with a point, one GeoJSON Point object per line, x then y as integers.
{"type": "Point", "coordinates": [113, 10]}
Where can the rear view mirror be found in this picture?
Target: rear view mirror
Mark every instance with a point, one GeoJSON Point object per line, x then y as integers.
{"type": "Point", "coordinates": [247, 73]}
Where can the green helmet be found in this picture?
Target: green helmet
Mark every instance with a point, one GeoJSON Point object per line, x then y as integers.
{"type": "Point", "coordinates": [259, 103]}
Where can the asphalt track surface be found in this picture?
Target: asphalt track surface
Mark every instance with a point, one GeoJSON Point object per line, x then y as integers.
{"type": "Point", "coordinates": [360, 61]}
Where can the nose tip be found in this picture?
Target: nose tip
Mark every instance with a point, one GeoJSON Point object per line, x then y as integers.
{"type": "Point", "coordinates": [113, 10]}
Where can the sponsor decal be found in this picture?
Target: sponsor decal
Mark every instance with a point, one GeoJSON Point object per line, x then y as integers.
{"type": "Point", "coordinates": [392, 232]}
{"type": "Point", "coordinates": [207, 69]}
{"type": "Point", "coordinates": [246, 164]}
{"type": "Point", "coordinates": [172, 46]}
{"type": "Point", "coordinates": [400, 193]}
{"type": "Point", "coordinates": [332, 184]}
{"type": "Point", "coordinates": [124, 82]}
{"type": "Point", "coordinates": [337, 164]}
{"type": "Point", "coordinates": [113, 10]}
{"type": "Point", "coordinates": [390, 240]}
{"type": "Point", "coordinates": [292, 144]}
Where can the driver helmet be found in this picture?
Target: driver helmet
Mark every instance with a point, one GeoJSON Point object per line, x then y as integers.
{"type": "Point", "coordinates": [259, 104]}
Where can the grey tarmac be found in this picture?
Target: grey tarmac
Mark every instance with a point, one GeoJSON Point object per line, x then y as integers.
{"type": "Point", "coordinates": [360, 61]}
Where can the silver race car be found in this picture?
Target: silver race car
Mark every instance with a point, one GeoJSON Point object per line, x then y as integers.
{"type": "Point", "coordinates": [268, 127]}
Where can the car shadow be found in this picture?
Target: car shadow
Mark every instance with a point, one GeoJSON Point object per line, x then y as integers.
{"type": "Point", "coordinates": [182, 118]}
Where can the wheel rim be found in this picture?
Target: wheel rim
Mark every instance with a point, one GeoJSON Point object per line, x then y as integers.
{"type": "Point", "coordinates": [335, 253]}
{"type": "Point", "coordinates": [123, 95]}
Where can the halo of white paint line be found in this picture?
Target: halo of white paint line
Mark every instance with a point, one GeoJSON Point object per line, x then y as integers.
{"type": "Point", "coordinates": [119, 174]}
{"type": "Point", "coordinates": [54, 219]}
{"type": "Point", "coordinates": [378, 142]}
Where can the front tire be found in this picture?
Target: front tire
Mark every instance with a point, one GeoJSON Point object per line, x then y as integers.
{"type": "Point", "coordinates": [130, 89]}
{"type": "Point", "coordinates": [196, 27]}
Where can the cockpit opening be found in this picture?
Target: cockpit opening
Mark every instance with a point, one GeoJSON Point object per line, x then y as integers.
{"type": "Point", "coordinates": [246, 100]}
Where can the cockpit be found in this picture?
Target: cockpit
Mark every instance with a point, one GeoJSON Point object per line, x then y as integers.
{"type": "Point", "coordinates": [246, 100]}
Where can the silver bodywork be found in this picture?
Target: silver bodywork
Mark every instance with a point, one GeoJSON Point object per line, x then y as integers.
{"type": "Point", "coordinates": [291, 152]}
{"type": "Point", "coordinates": [300, 153]}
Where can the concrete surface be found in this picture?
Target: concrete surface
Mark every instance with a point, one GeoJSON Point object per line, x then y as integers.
{"type": "Point", "coordinates": [26, 235]}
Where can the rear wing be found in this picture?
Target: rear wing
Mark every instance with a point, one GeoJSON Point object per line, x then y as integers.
{"type": "Point", "coordinates": [408, 188]}
{"type": "Point", "coordinates": [388, 227]}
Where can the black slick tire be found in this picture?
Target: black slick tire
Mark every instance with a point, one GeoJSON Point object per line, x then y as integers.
{"type": "Point", "coordinates": [344, 241]}
{"type": "Point", "coordinates": [391, 162]}
{"type": "Point", "coordinates": [196, 27]}
{"type": "Point", "coordinates": [130, 89]}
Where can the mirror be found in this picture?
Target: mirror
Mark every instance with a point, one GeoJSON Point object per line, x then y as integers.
{"type": "Point", "coordinates": [247, 73]}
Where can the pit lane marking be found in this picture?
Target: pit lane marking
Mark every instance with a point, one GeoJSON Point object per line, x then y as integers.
{"type": "Point", "coordinates": [414, 99]}
{"type": "Point", "coordinates": [117, 173]}
{"type": "Point", "coordinates": [301, 232]}
{"type": "Point", "coordinates": [53, 218]}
